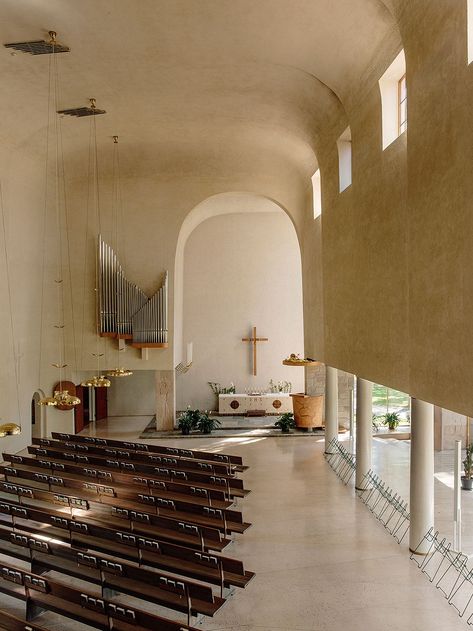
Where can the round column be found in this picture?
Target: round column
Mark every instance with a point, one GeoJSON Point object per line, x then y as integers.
{"type": "Point", "coordinates": [331, 407]}
{"type": "Point", "coordinates": [364, 430]}
{"type": "Point", "coordinates": [421, 473]}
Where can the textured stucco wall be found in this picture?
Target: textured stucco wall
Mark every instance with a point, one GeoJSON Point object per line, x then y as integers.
{"type": "Point", "coordinates": [397, 245]}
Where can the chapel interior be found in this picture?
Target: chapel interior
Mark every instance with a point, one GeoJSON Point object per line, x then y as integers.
{"type": "Point", "coordinates": [236, 298]}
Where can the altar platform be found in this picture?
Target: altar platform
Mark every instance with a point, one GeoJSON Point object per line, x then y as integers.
{"type": "Point", "coordinates": [234, 426]}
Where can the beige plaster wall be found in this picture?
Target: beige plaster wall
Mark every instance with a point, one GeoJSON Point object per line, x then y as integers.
{"type": "Point", "coordinates": [397, 249]}
{"type": "Point", "coordinates": [134, 395]}
{"type": "Point", "coordinates": [241, 270]}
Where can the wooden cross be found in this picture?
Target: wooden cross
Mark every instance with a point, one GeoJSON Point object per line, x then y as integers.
{"type": "Point", "coordinates": [254, 340]}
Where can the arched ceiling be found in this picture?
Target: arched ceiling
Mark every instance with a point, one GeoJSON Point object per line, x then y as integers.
{"type": "Point", "coordinates": [193, 77]}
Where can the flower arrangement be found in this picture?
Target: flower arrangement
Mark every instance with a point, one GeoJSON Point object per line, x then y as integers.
{"type": "Point", "coordinates": [218, 389]}
{"type": "Point", "coordinates": [280, 386]}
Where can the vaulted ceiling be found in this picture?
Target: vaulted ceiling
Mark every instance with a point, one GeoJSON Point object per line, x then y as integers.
{"type": "Point", "coordinates": [186, 81]}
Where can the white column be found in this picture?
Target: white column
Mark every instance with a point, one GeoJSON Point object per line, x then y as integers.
{"type": "Point", "coordinates": [364, 429]}
{"type": "Point", "coordinates": [422, 473]}
{"type": "Point", "coordinates": [331, 407]}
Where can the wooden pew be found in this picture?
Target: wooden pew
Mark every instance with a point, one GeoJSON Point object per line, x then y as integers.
{"type": "Point", "coordinates": [171, 468]}
{"type": "Point", "coordinates": [113, 453]}
{"type": "Point", "coordinates": [187, 453]}
{"type": "Point", "coordinates": [138, 521]}
{"type": "Point", "coordinates": [46, 594]}
{"type": "Point", "coordinates": [223, 521]}
{"type": "Point", "coordinates": [125, 473]}
{"type": "Point", "coordinates": [211, 568]}
{"type": "Point", "coordinates": [145, 523]}
{"type": "Point", "coordinates": [162, 529]}
{"type": "Point", "coordinates": [180, 490]}
{"type": "Point", "coordinates": [9, 622]}
{"type": "Point", "coordinates": [163, 502]}
{"type": "Point", "coordinates": [110, 573]}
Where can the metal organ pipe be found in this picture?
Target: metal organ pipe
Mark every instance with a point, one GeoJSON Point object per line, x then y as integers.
{"type": "Point", "coordinates": [124, 309]}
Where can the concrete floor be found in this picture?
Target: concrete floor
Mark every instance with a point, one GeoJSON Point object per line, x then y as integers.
{"type": "Point", "coordinates": [322, 561]}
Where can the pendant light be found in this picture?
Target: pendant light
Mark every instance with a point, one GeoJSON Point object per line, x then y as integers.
{"type": "Point", "coordinates": [11, 428]}
{"type": "Point", "coordinates": [61, 396]}
{"type": "Point", "coordinates": [98, 380]}
{"type": "Point", "coordinates": [119, 371]}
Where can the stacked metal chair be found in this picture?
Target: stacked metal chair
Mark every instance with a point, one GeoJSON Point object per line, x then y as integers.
{"type": "Point", "coordinates": [341, 460]}
{"type": "Point", "coordinates": [450, 571]}
{"type": "Point", "coordinates": [386, 505]}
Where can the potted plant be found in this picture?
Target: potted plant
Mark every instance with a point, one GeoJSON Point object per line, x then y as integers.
{"type": "Point", "coordinates": [392, 420]}
{"type": "Point", "coordinates": [186, 422]}
{"type": "Point", "coordinates": [285, 422]}
{"type": "Point", "coordinates": [206, 424]}
{"type": "Point", "coordinates": [467, 479]}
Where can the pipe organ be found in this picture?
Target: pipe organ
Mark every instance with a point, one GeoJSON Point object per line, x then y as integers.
{"type": "Point", "coordinates": [125, 311]}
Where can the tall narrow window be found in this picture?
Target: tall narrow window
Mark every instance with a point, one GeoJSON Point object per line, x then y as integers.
{"type": "Point", "coordinates": [402, 104]}
{"type": "Point", "coordinates": [393, 89]}
{"type": "Point", "coordinates": [469, 30]}
{"type": "Point", "coordinates": [316, 194]}
{"type": "Point", "coordinates": [344, 159]}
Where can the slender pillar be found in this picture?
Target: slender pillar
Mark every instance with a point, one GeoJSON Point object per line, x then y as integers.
{"type": "Point", "coordinates": [422, 473]}
{"type": "Point", "coordinates": [331, 407]}
{"type": "Point", "coordinates": [165, 399]}
{"type": "Point", "coordinates": [364, 429]}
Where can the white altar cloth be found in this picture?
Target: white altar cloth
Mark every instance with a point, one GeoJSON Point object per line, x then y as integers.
{"type": "Point", "coordinates": [274, 403]}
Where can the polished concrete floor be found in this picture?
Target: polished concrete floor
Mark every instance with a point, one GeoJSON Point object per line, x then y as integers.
{"type": "Point", "coordinates": [322, 561]}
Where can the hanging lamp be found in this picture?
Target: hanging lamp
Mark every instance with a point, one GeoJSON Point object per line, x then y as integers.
{"type": "Point", "coordinates": [98, 380]}
{"type": "Point", "coordinates": [61, 396]}
{"type": "Point", "coordinates": [119, 371]}
{"type": "Point", "coordinates": [10, 428]}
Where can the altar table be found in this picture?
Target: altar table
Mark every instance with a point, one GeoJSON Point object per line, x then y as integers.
{"type": "Point", "coordinates": [274, 403]}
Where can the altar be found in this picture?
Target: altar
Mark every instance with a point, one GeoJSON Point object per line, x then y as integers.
{"type": "Point", "coordinates": [273, 403]}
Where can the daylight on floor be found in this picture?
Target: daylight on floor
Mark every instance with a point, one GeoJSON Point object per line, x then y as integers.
{"type": "Point", "coordinates": [236, 303]}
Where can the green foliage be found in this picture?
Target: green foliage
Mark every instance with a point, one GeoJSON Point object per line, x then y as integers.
{"type": "Point", "coordinates": [388, 398]}
{"type": "Point", "coordinates": [392, 420]}
{"type": "Point", "coordinates": [196, 420]}
{"type": "Point", "coordinates": [218, 389]}
{"type": "Point", "coordinates": [206, 424]}
{"type": "Point", "coordinates": [375, 422]}
{"type": "Point", "coordinates": [285, 422]}
{"type": "Point", "coordinates": [188, 420]}
{"type": "Point", "coordinates": [468, 462]}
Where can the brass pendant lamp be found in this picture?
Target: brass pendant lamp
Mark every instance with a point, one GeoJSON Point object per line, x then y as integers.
{"type": "Point", "coordinates": [11, 428]}
{"type": "Point", "coordinates": [61, 396]}
{"type": "Point", "coordinates": [98, 380]}
{"type": "Point", "coordinates": [119, 371]}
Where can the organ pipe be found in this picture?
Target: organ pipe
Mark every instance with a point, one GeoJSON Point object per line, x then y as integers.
{"type": "Point", "coordinates": [124, 309]}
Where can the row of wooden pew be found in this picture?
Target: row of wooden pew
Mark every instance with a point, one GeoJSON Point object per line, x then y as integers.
{"type": "Point", "coordinates": [131, 520]}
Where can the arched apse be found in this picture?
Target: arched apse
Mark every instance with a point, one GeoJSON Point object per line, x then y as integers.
{"type": "Point", "coordinates": [239, 266]}
{"type": "Point", "coordinates": [220, 204]}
